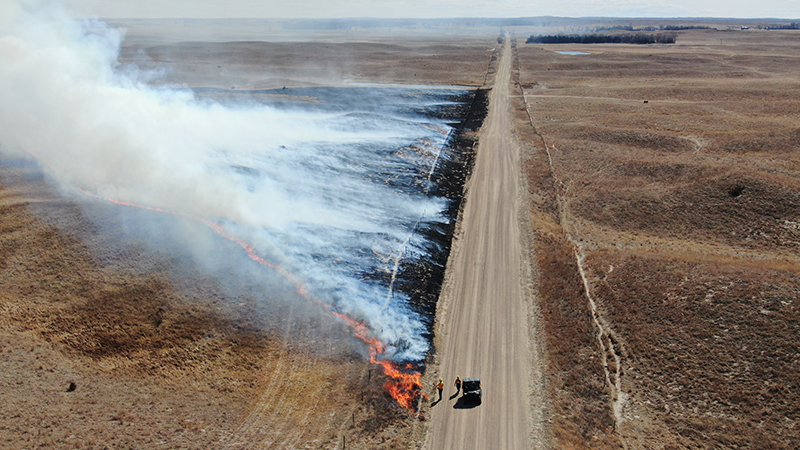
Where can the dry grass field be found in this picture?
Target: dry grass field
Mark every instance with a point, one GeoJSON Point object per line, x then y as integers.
{"type": "Point", "coordinates": [311, 59]}
{"type": "Point", "coordinates": [669, 175]}
{"type": "Point", "coordinates": [666, 179]}
{"type": "Point", "coordinates": [107, 341]}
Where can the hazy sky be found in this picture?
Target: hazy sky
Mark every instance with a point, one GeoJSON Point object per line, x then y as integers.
{"type": "Point", "coordinates": [789, 9]}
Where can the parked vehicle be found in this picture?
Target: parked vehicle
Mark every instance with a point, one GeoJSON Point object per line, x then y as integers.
{"type": "Point", "coordinates": [472, 389]}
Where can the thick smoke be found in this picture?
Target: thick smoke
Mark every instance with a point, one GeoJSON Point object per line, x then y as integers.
{"type": "Point", "coordinates": [315, 192]}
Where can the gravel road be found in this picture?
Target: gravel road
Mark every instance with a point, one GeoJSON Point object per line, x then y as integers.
{"type": "Point", "coordinates": [482, 326]}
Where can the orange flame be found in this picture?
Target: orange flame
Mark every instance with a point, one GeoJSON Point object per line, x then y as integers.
{"type": "Point", "coordinates": [404, 386]}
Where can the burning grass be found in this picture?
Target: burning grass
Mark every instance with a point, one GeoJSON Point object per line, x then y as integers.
{"type": "Point", "coordinates": [403, 383]}
{"type": "Point", "coordinates": [108, 349]}
{"type": "Point", "coordinates": [128, 322]}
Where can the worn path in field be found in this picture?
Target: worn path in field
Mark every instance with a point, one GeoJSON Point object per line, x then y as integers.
{"type": "Point", "coordinates": [482, 323]}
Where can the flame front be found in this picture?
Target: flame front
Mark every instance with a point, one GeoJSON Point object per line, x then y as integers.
{"type": "Point", "coordinates": [404, 384]}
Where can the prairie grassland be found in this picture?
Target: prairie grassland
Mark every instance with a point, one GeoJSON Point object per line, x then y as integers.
{"type": "Point", "coordinates": [108, 342]}
{"type": "Point", "coordinates": [673, 173]}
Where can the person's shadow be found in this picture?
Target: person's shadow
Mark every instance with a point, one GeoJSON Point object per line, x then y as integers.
{"type": "Point", "coordinates": [455, 395]}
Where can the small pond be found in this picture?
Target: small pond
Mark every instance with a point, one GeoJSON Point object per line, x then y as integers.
{"type": "Point", "coordinates": [573, 53]}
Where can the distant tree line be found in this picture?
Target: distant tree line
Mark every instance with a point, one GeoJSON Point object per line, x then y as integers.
{"type": "Point", "coordinates": [783, 26]}
{"type": "Point", "coordinates": [602, 39]}
{"type": "Point", "coordinates": [652, 28]}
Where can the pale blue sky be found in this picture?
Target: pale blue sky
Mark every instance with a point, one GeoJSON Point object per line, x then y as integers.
{"type": "Point", "coordinates": [788, 9]}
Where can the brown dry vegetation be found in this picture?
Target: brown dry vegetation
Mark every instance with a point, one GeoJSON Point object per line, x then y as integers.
{"type": "Point", "coordinates": [108, 342]}
{"type": "Point", "coordinates": [581, 415]}
{"type": "Point", "coordinates": [270, 65]}
{"type": "Point", "coordinates": [686, 210]}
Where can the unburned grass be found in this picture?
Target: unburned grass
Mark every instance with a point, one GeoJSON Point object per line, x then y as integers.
{"type": "Point", "coordinates": [708, 345]}
{"type": "Point", "coordinates": [686, 209]}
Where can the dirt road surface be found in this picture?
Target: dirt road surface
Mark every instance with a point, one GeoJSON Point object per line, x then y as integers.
{"type": "Point", "coordinates": [482, 328]}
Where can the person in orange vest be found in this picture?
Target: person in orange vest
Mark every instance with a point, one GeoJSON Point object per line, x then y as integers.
{"type": "Point", "coordinates": [440, 387]}
{"type": "Point", "coordinates": [458, 384]}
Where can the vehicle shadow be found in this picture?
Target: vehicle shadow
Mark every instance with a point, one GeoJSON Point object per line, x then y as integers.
{"type": "Point", "coordinates": [466, 403]}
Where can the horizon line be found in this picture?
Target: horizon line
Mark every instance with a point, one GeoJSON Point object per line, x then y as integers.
{"type": "Point", "coordinates": [714, 18]}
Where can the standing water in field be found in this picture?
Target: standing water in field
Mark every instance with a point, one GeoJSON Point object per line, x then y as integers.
{"type": "Point", "coordinates": [341, 195]}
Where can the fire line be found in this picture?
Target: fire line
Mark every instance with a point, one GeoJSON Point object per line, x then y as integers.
{"type": "Point", "coordinates": [404, 384]}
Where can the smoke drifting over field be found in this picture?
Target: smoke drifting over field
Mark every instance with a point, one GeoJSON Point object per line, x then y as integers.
{"type": "Point", "coordinates": [331, 196]}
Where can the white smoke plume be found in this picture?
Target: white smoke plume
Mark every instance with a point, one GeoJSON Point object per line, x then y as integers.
{"type": "Point", "coordinates": [296, 184]}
